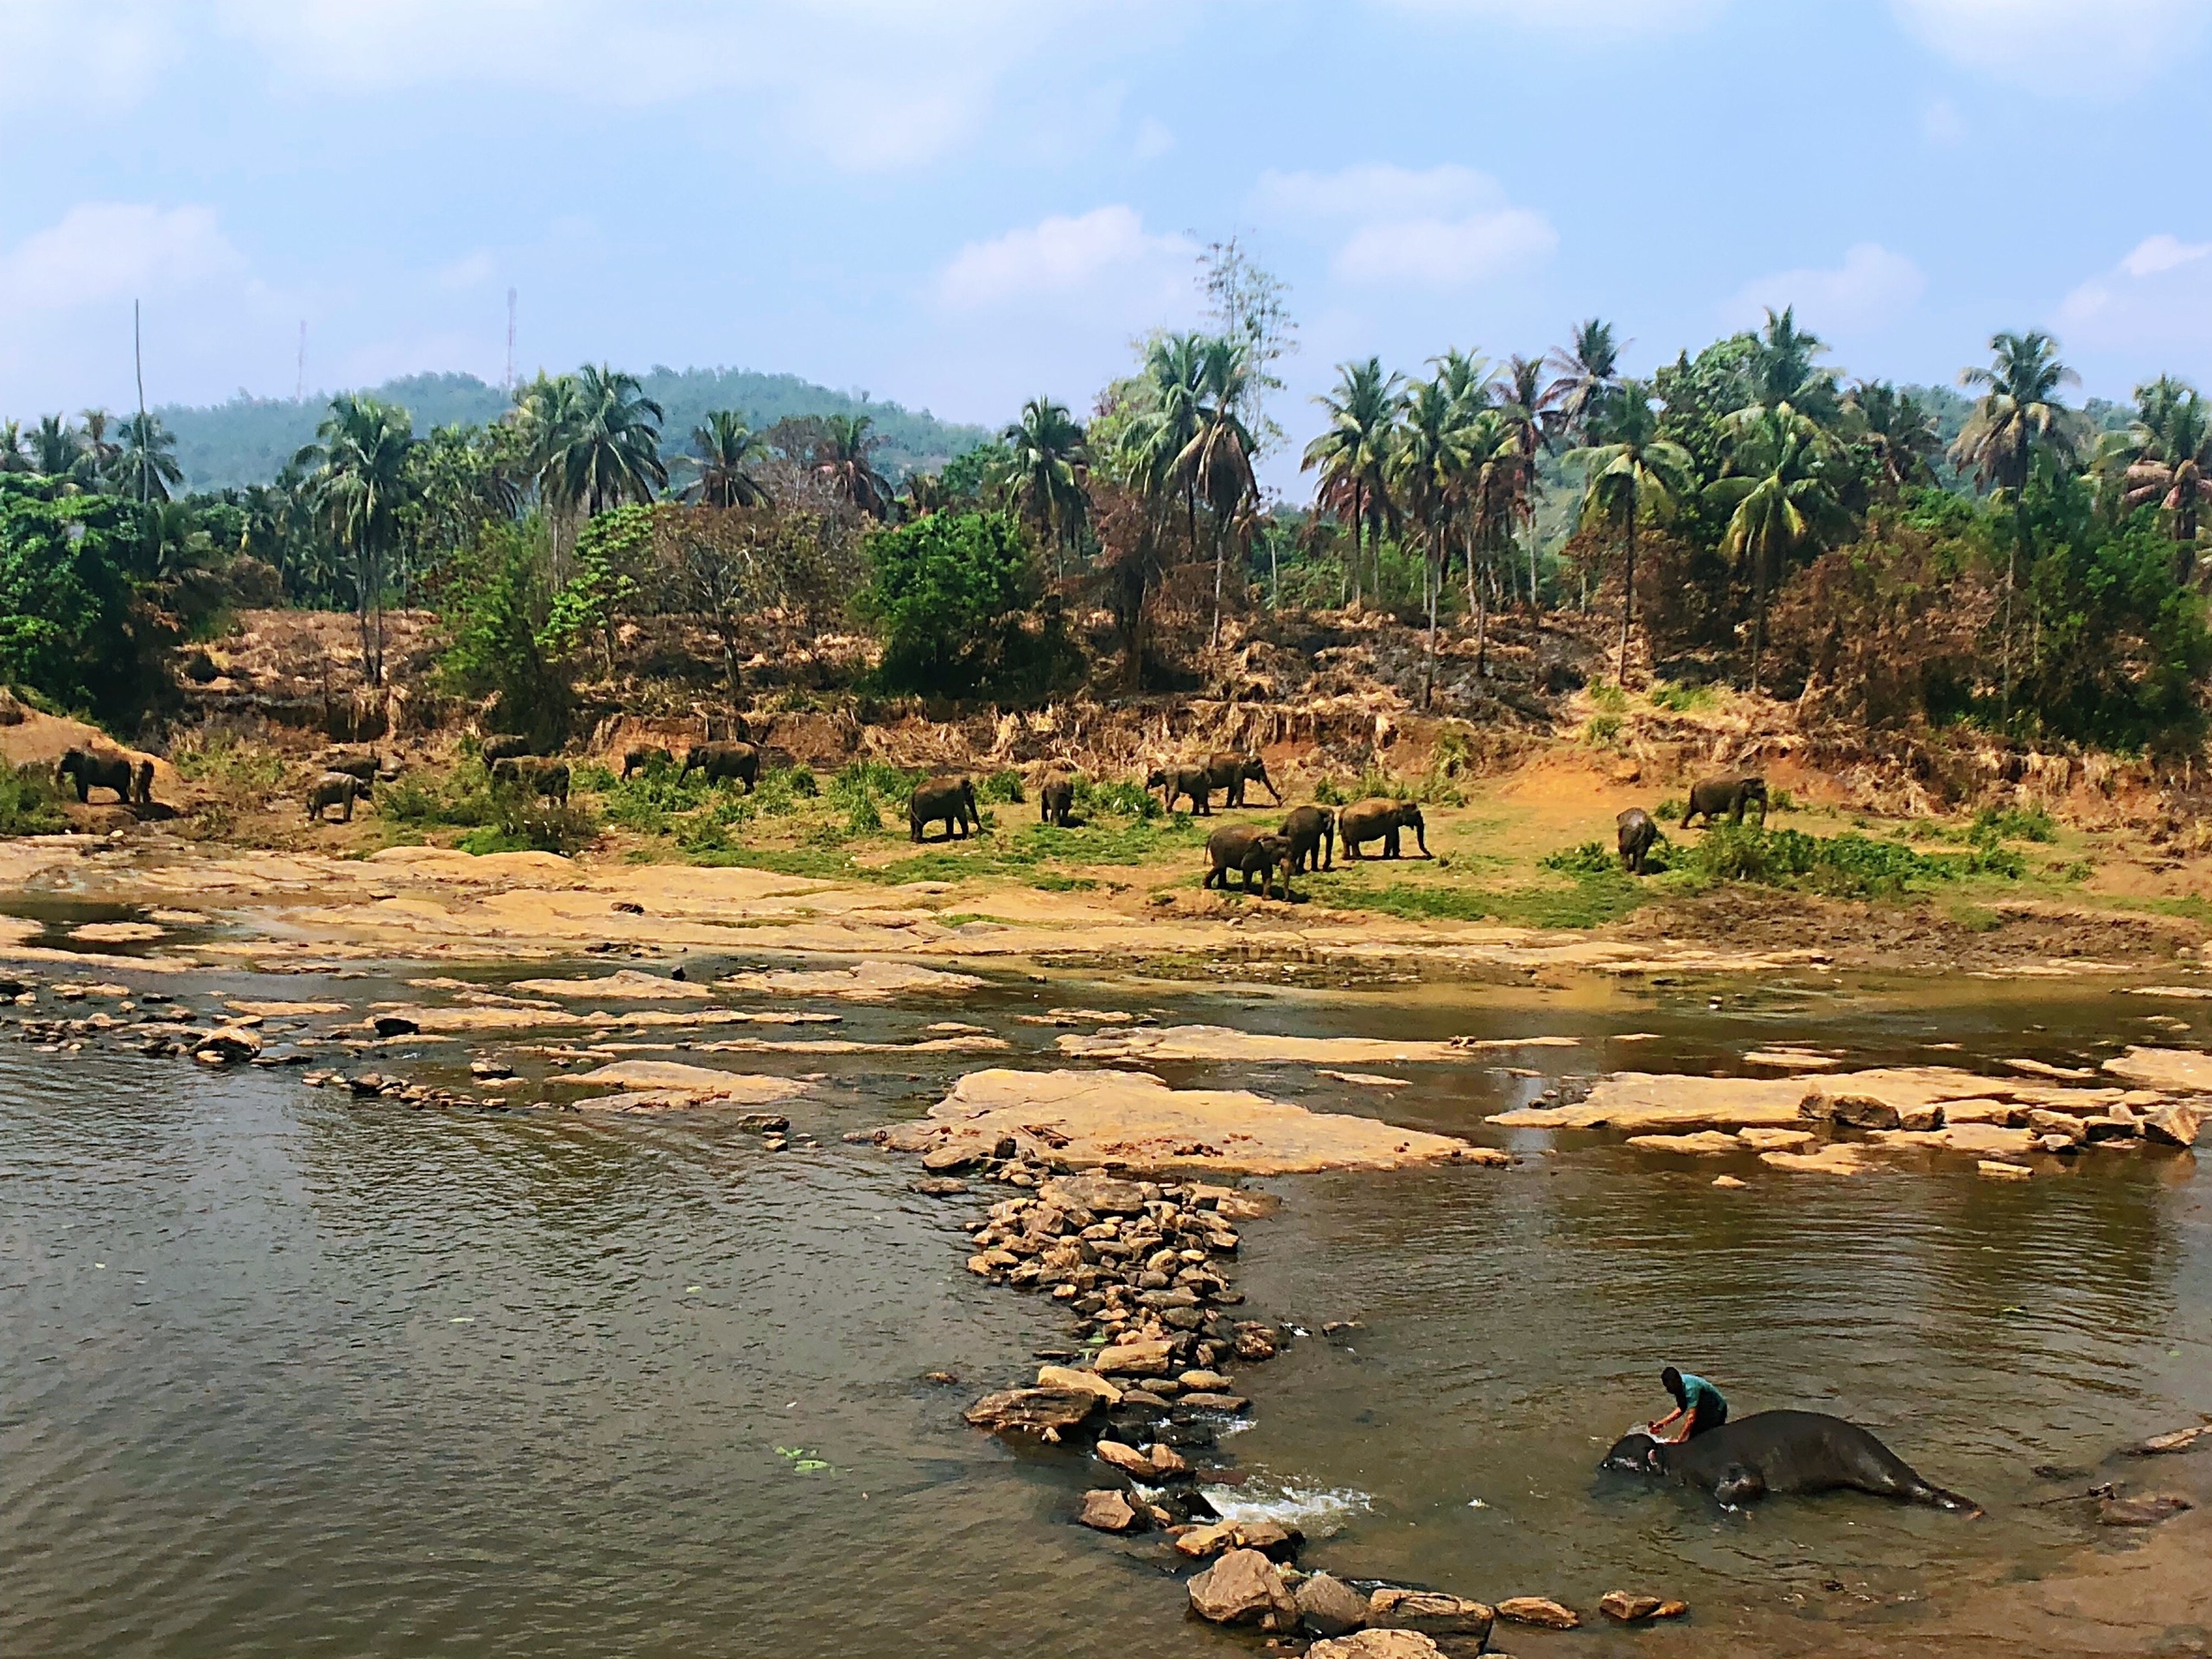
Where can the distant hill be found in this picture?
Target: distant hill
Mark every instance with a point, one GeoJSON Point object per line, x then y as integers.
{"type": "Point", "coordinates": [247, 440]}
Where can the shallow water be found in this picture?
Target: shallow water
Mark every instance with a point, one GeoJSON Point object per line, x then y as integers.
{"type": "Point", "coordinates": [283, 1374]}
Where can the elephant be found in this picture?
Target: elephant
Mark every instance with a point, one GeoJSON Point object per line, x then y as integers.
{"type": "Point", "coordinates": [1232, 771]}
{"type": "Point", "coordinates": [1241, 847]}
{"type": "Point", "coordinates": [505, 746]}
{"type": "Point", "coordinates": [340, 789]}
{"type": "Point", "coordinates": [1786, 1451]}
{"type": "Point", "coordinates": [642, 759]}
{"type": "Point", "coordinates": [1312, 832]}
{"type": "Point", "coordinates": [1193, 781]}
{"type": "Point", "coordinates": [1370, 820]}
{"type": "Point", "coordinates": [549, 779]}
{"type": "Point", "coordinates": [131, 777]}
{"type": "Point", "coordinates": [1637, 835]}
{"type": "Point", "coordinates": [362, 767]}
{"type": "Point", "coordinates": [1731, 795]}
{"type": "Point", "coordinates": [717, 761]}
{"type": "Point", "coordinates": [1056, 800]}
{"type": "Point", "coordinates": [951, 798]}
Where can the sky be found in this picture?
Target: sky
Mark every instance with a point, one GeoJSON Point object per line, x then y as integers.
{"type": "Point", "coordinates": [961, 204]}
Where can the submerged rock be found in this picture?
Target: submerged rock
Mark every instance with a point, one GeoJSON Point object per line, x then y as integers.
{"type": "Point", "coordinates": [1430, 1612]}
{"type": "Point", "coordinates": [2147, 1510]}
{"type": "Point", "coordinates": [1630, 1609]}
{"type": "Point", "coordinates": [1329, 1606]}
{"type": "Point", "coordinates": [1244, 1588]}
{"type": "Point", "coordinates": [1539, 1611]}
{"type": "Point", "coordinates": [1047, 1413]}
{"type": "Point", "coordinates": [2177, 1123]}
{"type": "Point", "coordinates": [1113, 1511]}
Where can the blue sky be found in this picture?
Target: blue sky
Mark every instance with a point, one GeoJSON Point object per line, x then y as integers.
{"type": "Point", "coordinates": [959, 203]}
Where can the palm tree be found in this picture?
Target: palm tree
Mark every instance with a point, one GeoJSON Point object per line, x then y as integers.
{"type": "Point", "coordinates": [2017, 418]}
{"type": "Point", "coordinates": [1427, 469]}
{"type": "Point", "coordinates": [2165, 456]}
{"type": "Point", "coordinates": [922, 494]}
{"type": "Point", "coordinates": [101, 451]}
{"type": "Point", "coordinates": [1899, 430]}
{"type": "Point", "coordinates": [1630, 471]}
{"type": "Point", "coordinates": [1217, 461]}
{"type": "Point", "coordinates": [358, 482]}
{"type": "Point", "coordinates": [56, 448]}
{"type": "Point", "coordinates": [844, 458]}
{"type": "Point", "coordinates": [725, 451]}
{"type": "Point", "coordinates": [1782, 501]}
{"type": "Point", "coordinates": [1780, 374]}
{"type": "Point", "coordinates": [1049, 458]}
{"type": "Point", "coordinates": [1156, 445]}
{"type": "Point", "coordinates": [1353, 455]}
{"type": "Point", "coordinates": [13, 459]}
{"type": "Point", "coordinates": [1587, 368]}
{"type": "Point", "coordinates": [144, 463]}
{"type": "Point", "coordinates": [1532, 434]}
{"type": "Point", "coordinates": [613, 452]}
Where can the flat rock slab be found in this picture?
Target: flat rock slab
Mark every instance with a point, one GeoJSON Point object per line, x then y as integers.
{"type": "Point", "coordinates": [630, 983]}
{"type": "Point", "coordinates": [1132, 1119]}
{"type": "Point", "coordinates": [1654, 1103]}
{"type": "Point", "coordinates": [2147, 1510]}
{"type": "Point", "coordinates": [1978, 1140]}
{"type": "Point", "coordinates": [1837, 1158]}
{"type": "Point", "coordinates": [2184, 1071]}
{"type": "Point", "coordinates": [1790, 1059]}
{"type": "Point", "coordinates": [1226, 1043]}
{"type": "Point", "coordinates": [870, 981]}
{"type": "Point", "coordinates": [115, 932]}
{"type": "Point", "coordinates": [695, 1084]}
{"type": "Point", "coordinates": [1378, 1644]}
{"type": "Point", "coordinates": [1706, 1143]}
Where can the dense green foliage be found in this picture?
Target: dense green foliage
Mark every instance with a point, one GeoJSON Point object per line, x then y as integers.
{"type": "Point", "coordinates": [77, 620]}
{"type": "Point", "coordinates": [950, 593]}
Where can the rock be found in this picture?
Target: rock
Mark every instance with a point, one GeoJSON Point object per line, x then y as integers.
{"type": "Point", "coordinates": [1255, 1343]}
{"type": "Point", "coordinates": [1199, 1543]}
{"type": "Point", "coordinates": [1273, 1539]}
{"type": "Point", "coordinates": [1140, 1357]}
{"type": "Point", "coordinates": [2147, 1510]}
{"type": "Point", "coordinates": [2177, 1123]}
{"type": "Point", "coordinates": [1045, 1414]}
{"type": "Point", "coordinates": [1127, 1459]}
{"type": "Point", "coordinates": [1630, 1609]}
{"type": "Point", "coordinates": [937, 1186]}
{"type": "Point", "coordinates": [1244, 1588]}
{"type": "Point", "coordinates": [1996, 1171]}
{"type": "Point", "coordinates": [1705, 1143]}
{"type": "Point", "coordinates": [1540, 1610]}
{"type": "Point", "coordinates": [953, 1154]}
{"type": "Point", "coordinates": [395, 1025]}
{"type": "Point", "coordinates": [1377, 1644]}
{"type": "Point", "coordinates": [230, 1043]}
{"type": "Point", "coordinates": [1667, 1103]}
{"type": "Point", "coordinates": [1767, 1140]}
{"type": "Point", "coordinates": [1065, 1377]}
{"type": "Point", "coordinates": [1430, 1612]}
{"type": "Point", "coordinates": [1113, 1511]}
{"type": "Point", "coordinates": [1863, 1112]}
{"type": "Point", "coordinates": [1329, 1606]}
{"type": "Point", "coordinates": [2179, 1440]}
{"type": "Point", "coordinates": [1731, 1182]}
{"type": "Point", "coordinates": [1204, 1381]}
{"type": "Point", "coordinates": [1207, 1402]}
{"type": "Point", "coordinates": [1168, 1464]}
{"type": "Point", "coordinates": [1837, 1158]}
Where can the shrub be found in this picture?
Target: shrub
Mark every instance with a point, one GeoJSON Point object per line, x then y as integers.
{"type": "Point", "coordinates": [30, 802]}
{"type": "Point", "coordinates": [1670, 811]}
{"type": "Point", "coordinates": [566, 827]}
{"type": "Point", "coordinates": [1591, 858]}
{"type": "Point", "coordinates": [1991, 825]}
{"type": "Point", "coordinates": [1121, 798]}
{"type": "Point", "coordinates": [1000, 788]}
{"type": "Point", "coordinates": [223, 761]}
{"type": "Point", "coordinates": [1850, 865]}
{"type": "Point", "coordinates": [949, 592]}
{"type": "Point", "coordinates": [1329, 793]}
{"type": "Point", "coordinates": [1681, 699]}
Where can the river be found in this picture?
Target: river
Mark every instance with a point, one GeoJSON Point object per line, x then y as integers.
{"type": "Point", "coordinates": [282, 1373]}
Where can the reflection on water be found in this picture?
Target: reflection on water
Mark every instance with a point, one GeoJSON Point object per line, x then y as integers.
{"type": "Point", "coordinates": [280, 1374]}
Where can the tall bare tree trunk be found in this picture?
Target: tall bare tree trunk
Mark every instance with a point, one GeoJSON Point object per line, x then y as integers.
{"type": "Point", "coordinates": [1628, 595]}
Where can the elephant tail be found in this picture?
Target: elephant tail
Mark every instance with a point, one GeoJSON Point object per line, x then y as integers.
{"type": "Point", "coordinates": [1936, 1498]}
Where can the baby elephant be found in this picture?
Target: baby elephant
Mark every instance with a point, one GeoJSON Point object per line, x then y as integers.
{"type": "Point", "coordinates": [642, 759]}
{"type": "Point", "coordinates": [549, 779]}
{"type": "Point", "coordinates": [1731, 795]}
{"type": "Point", "coordinates": [1637, 835]}
{"type": "Point", "coordinates": [1381, 820]}
{"type": "Point", "coordinates": [1056, 800]}
{"type": "Point", "coordinates": [338, 789]}
{"type": "Point", "coordinates": [1193, 781]}
{"type": "Point", "coordinates": [1241, 847]}
{"type": "Point", "coordinates": [717, 761]}
{"type": "Point", "coordinates": [952, 799]}
{"type": "Point", "coordinates": [130, 778]}
{"type": "Point", "coordinates": [1312, 833]}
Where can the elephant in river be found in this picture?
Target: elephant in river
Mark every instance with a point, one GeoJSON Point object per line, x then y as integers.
{"type": "Point", "coordinates": [341, 790]}
{"type": "Point", "coordinates": [549, 779]}
{"type": "Point", "coordinates": [717, 761]}
{"type": "Point", "coordinates": [1056, 800]}
{"type": "Point", "coordinates": [1715, 796]}
{"type": "Point", "coordinates": [642, 759]}
{"type": "Point", "coordinates": [1243, 848]}
{"type": "Point", "coordinates": [131, 777]}
{"type": "Point", "coordinates": [1193, 781]}
{"type": "Point", "coordinates": [505, 746]}
{"type": "Point", "coordinates": [1232, 771]}
{"type": "Point", "coordinates": [1381, 820]}
{"type": "Point", "coordinates": [1312, 833]}
{"type": "Point", "coordinates": [952, 799]}
{"type": "Point", "coordinates": [1637, 836]}
{"type": "Point", "coordinates": [1782, 1451]}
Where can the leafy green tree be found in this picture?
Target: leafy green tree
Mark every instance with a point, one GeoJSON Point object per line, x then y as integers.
{"type": "Point", "coordinates": [978, 477]}
{"type": "Point", "coordinates": [1630, 472]}
{"type": "Point", "coordinates": [1157, 442]}
{"type": "Point", "coordinates": [1782, 503]}
{"type": "Point", "coordinates": [946, 592]}
{"type": "Point", "coordinates": [1047, 462]}
{"type": "Point", "coordinates": [1780, 373]}
{"type": "Point", "coordinates": [1531, 437]}
{"type": "Point", "coordinates": [2164, 459]}
{"type": "Point", "coordinates": [845, 461]}
{"type": "Point", "coordinates": [502, 648]}
{"type": "Point", "coordinates": [1352, 455]}
{"type": "Point", "coordinates": [725, 461]}
{"type": "Point", "coordinates": [359, 483]}
{"type": "Point", "coordinates": [1585, 371]}
{"type": "Point", "coordinates": [144, 465]}
{"type": "Point", "coordinates": [71, 624]}
{"type": "Point", "coordinates": [613, 552]}
{"type": "Point", "coordinates": [1899, 431]}
{"type": "Point", "coordinates": [1218, 458]}
{"type": "Point", "coordinates": [1427, 472]}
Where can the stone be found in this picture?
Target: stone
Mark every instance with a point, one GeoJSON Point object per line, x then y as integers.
{"type": "Point", "coordinates": [231, 1042]}
{"type": "Point", "coordinates": [2045, 1122]}
{"type": "Point", "coordinates": [1209, 1402]}
{"type": "Point", "coordinates": [2098, 1131]}
{"type": "Point", "coordinates": [1731, 1182]}
{"type": "Point", "coordinates": [2177, 1123]}
{"type": "Point", "coordinates": [1540, 1610]}
{"type": "Point", "coordinates": [1631, 1609]}
{"type": "Point", "coordinates": [953, 1154]}
{"type": "Point", "coordinates": [1205, 1382]}
{"type": "Point", "coordinates": [1837, 1158]}
{"type": "Point", "coordinates": [1377, 1644]}
{"type": "Point", "coordinates": [1045, 1414]}
{"type": "Point", "coordinates": [1668, 1103]}
{"type": "Point", "coordinates": [1140, 1357]}
{"type": "Point", "coordinates": [1273, 1539]}
{"type": "Point", "coordinates": [1998, 1171]}
{"type": "Point", "coordinates": [1863, 1112]}
{"type": "Point", "coordinates": [2146, 1511]}
{"type": "Point", "coordinates": [1066, 1376]}
{"type": "Point", "coordinates": [1127, 1459]}
{"type": "Point", "coordinates": [1113, 1511]}
{"type": "Point", "coordinates": [1244, 1588]}
{"type": "Point", "coordinates": [1705, 1143]}
{"type": "Point", "coordinates": [1430, 1612]}
{"type": "Point", "coordinates": [937, 1186]}
{"type": "Point", "coordinates": [395, 1025]}
{"type": "Point", "coordinates": [1255, 1343]}
{"type": "Point", "coordinates": [1199, 1542]}
{"type": "Point", "coordinates": [1769, 1139]}
{"type": "Point", "coordinates": [1329, 1606]}
{"type": "Point", "coordinates": [2181, 1439]}
{"type": "Point", "coordinates": [1168, 1464]}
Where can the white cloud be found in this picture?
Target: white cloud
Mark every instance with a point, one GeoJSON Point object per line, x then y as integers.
{"type": "Point", "coordinates": [106, 56]}
{"type": "Point", "coordinates": [1584, 19]}
{"type": "Point", "coordinates": [1873, 287]}
{"type": "Point", "coordinates": [101, 251]}
{"type": "Point", "coordinates": [2089, 47]}
{"type": "Point", "coordinates": [1105, 256]}
{"type": "Point", "coordinates": [2155, 254]}
{"type": "Point", "coordinates": [1443, 227]}
{"type": "Point", "coordinates": [2153, 302]}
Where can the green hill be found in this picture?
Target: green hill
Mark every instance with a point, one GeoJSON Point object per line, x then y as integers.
{"type": "Point", "coordinates": [247, 440]}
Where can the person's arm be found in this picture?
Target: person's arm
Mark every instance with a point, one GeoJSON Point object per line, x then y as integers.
{"type": "Point", "coordinates": [1677, 1411]}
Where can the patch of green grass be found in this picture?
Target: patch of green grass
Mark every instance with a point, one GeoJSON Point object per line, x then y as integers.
{"type": "Point", "coordinates": [1000, 788]}
{"type": "Point", "coordinates": [1591, 901]}
{"type": "Point", "coordinates": [2014, 824]}
{"type": "Point", "coordinates": [1065, 884]}
{"type": "Point", "coordinates": [226, 762]}
{"type": "Point", "coordinates": [1121, 798]}
{"type": "Point", "coordinates": [536, 826]}
{"type": "Point", "coordinates": [463, 799]}
{"type": "Point", "coordinates": [1681, 699]}
{"type": "Point", "coordinates": [30, 802]}
{"type": "Point", "coordinates": [1850, 865]}
{"type": "Point", "coordinates": [1610, 699]}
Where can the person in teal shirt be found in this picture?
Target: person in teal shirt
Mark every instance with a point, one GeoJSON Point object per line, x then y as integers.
{"type": "Point", "coordinates": [1698, 1405]}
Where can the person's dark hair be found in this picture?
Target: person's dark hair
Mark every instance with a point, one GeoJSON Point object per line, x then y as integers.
{"type": "Point", "coordinates": [1672, 1380]}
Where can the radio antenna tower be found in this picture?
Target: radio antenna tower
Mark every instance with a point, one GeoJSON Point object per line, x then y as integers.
{"type": "Point", "coordinates": [510, 343]}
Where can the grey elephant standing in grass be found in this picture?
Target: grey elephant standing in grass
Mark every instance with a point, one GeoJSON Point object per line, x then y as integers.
{"type": "Point", "coordinates": [952, 799]}
{"type": "Point", "coordinates": [1637, 835]}
{"type": "Point", "coordinates": [505, 746]}
{"type": "Point", "coordinates": [641, 759]}
{"type": "Point", "coordinates": [1715, 796]}
{"type": "Point", "coordinates": [717, 761]}
{"type": "Point", "coordinates": [1232, 771]}
{"type": "Point", "coordinates": [550, 778]}
{"type": "Point", "coordinates": [1056, 800]}
{"type": "Point", "coordinates": [339, 789]}
{"type": "Point", "coordinates": [131, 777]}
{"type": "Point", "coordinates": [1243, 848]}
{"type": "Point", "coordinates": [1312, 833]}
{"type": "Point", "coordinates": [1193, 781]}
{"type": "Point", "coordinates": [1381, 820]}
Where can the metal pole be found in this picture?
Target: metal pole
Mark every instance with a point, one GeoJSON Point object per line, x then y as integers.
{"type": "Point", "coordinates": [138, 362]}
